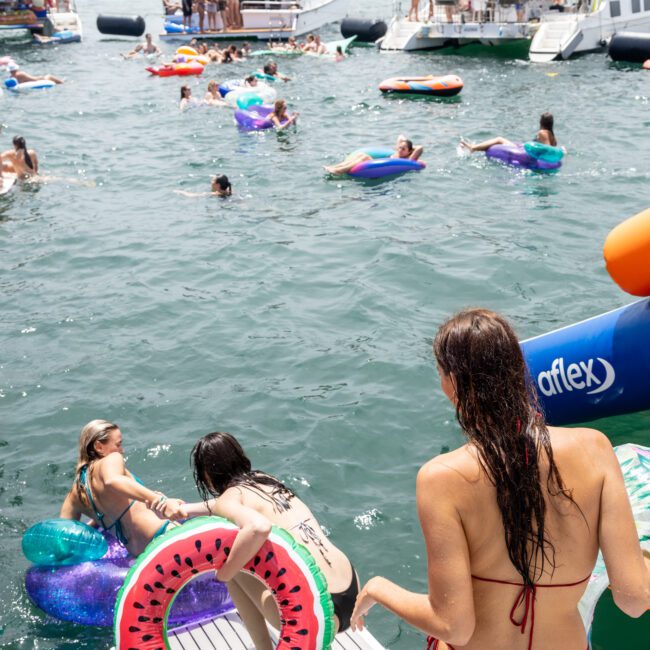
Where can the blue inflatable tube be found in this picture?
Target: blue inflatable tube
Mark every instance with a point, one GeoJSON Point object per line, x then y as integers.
{"type": "Point", "coordinates": [531, 155]}
{"type": "Point", "coordinates": [382, 164]}
{"type": "Point", "coordinates": [593, 369]}
{"type": "Point", "coordinates": [230, 84]}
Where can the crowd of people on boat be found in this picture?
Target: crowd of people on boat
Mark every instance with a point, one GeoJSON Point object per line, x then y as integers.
{"type": "Point", "coordinates": [516, 515]}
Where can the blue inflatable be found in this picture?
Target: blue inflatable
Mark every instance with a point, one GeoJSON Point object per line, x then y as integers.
{"type": "Point", "coordinates": [62, 542]}
{"type": "Point", "coordinates": [382, 164]}
{"type": "Point", "coordinates": [85, 593]}
{"type": "Point", "coordinates": [593, 369]}
{"type": "Point", "coordinates": [230, 84]}
{"type": "Point", "coordinates": [530, 155]}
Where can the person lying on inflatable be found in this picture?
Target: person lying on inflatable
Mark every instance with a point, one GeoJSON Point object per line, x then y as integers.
{"type": "Point", "coordinates": [254, 500]}
{"type": "Point", "coordinates": [110, 495]}
{"type": "Point", "coordinates": [404, 148]}
{"type": "Point", "coordinates": [545, 136]}
{"type": "Point", "coordinates": [21, 77]}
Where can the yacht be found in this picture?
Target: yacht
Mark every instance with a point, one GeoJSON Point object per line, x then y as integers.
{"type": "Point", "coordinates": [265, 20]}
{"type": "Point", "coordinates": [587, 27]}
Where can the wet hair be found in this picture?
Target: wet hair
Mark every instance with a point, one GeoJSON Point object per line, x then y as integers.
{"type": "Point", "coordinates": [268, 67]}
{"type": "Point", "coordinates": [250, 79]}
{"type": "Point", "coordinates": [94, 431]}
{"type": "Point", "coordinates": [185, 89]}
{"type": "Point", "coordinates": [546, 123]}
{"type": "Point", "coordinates": [408, 143]}
{"type": "Point", "coordinates": [223, 183]}
{"type": "Point", "coordinates": [227, 57]}
{"type": "Point", "coordinates": [240, 54]}
{"type": "Point", "coordinates": [498, 411]}
{"type": "Point", "coordinates": [232, 48]}
{"type": "Point", "coordinates": [278, 105]}
{"type": "Point", "coordinates": [219, 463]}
{"type": "Point", "coordinates": [20, 145]}
{"type": "Point", "coordinates": [339, 49]}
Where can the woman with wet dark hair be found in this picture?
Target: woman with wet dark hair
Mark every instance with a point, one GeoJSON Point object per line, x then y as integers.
{"type": "Point", "coordinates": [19, 160]}
{"type": "Point", "coordinates": [513, 520]}
{"type": "Point", "coordinates": [255, 500]}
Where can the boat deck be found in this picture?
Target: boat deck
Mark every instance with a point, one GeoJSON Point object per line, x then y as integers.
{"type": "Point", "coordinates": [227, 632]}
{"type": "Point", "coordinates": [253, 33]}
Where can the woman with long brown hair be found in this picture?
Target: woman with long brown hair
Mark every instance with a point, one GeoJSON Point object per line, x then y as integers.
{"type": "Point", "coordinates": [105, 491]}
{"type": "Point", "coordinates": [512, 520]}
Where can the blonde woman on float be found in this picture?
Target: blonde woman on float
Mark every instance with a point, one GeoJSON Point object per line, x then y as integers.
{"type": "Point", "coordinates": [105, 491]}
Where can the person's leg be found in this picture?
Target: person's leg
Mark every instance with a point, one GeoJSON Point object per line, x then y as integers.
{"type": "Point", "coordinates": [485, 145]}
{"type": "Point", "coordinates": [249, 610]}
{"type": "Point", "coordinates": [346, 165]}
{"type": "Point", "coordinates": [50, 77]}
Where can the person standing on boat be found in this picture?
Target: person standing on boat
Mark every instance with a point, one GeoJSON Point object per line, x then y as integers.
{"type": "Point", "coordinates": [513, 520]}
{"type": "Point", "coordinates": [187, 15]}
{"type": "Point", "coordinates": [254, 501]}
{"type": "Point", "coordinates": [544, 135]}
{"type": "Point", "coordinates": [110, 495]}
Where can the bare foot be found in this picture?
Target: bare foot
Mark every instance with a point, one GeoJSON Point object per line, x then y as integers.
{"type": "Point", "coordinates": [330, 169]}
{"type": "Point", "coordinates": [467, 145]}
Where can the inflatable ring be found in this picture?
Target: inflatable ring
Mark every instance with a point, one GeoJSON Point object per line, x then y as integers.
{"type": "Point", "coordinates": [267, 94]}
{"type": "Point", "coordinates": [517, 155]}
{"type": "Point", "coordinates": [254, 118]}
{"type": "Point", "coordinates": [85, 593]}
{"type": "Point", "coordinates": [14, 86]}
{"type": "Point", "coordinates": [203, 545]}
{"type": "Point", "coordinates": [381, 164]}
{"type": "Point", "coordinates": [187, 50]}
{"type": "Point", "coordinates": [446, 86]}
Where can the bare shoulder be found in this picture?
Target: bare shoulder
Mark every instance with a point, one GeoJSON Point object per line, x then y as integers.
{"type": "Point", "coordinates": [578, 439]}
{"type": "Point", "coordinates": [447, 470]}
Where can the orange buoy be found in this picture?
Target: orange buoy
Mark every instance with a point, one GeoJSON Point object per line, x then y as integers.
{"type": "Point", "coordinates": [646, 65]}
{"type": "Point", "coordinates": [627, 254]}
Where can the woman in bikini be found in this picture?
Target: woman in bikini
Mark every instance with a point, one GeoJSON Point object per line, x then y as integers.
{"type": "Point", "coordinates": [254, 501]}
{"type": "Point", "coordinates": [19, 160]}
{"type": "Point", "coordinates": [110, 495]}
{"type": "Point", "coordinates": [280, 117]}
{"type": "Point", "coordinates": [544, 135]}
{"type": "Point", "coordinates": [514, 519]}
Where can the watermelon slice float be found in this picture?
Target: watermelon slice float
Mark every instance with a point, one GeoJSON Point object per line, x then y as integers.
{"type": "Point", "coordinates": [287, 568]}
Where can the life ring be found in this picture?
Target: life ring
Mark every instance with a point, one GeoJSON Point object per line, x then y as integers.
{"type": "Point", "coordinates": [531, 155]}
{"type": "Point", "coordinates": [446, 86]}
{"type": "Point", "coordinates": [41, 84]}
{"type": "Point", "coordinates": [202, 545]}
{"type": "Point", "coordinates": [85, 593]}
{"type": "Point", "coordinates": [187, 50]}
{"type": "Point", "coordinates": [381, 164]}
{"type": "Point", "coordinates": [262, 90]}
{"type": "Point", "coordinates": [254, 118]}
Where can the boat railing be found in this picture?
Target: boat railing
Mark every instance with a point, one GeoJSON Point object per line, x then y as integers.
{"type": "Point", "coordinates": [270, 5]}
{"type": "Point", "coordinates": [491, 11]}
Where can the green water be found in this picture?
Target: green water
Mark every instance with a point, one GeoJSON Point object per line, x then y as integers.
{"type": "Point", "coordinates": [299, 314]}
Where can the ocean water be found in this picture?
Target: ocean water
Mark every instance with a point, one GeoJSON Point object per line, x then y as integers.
{"type": "Point", "coordinates": [298, 314]}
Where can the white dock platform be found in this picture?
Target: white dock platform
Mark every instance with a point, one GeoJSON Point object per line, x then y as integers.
{"type": "Point", "coordinates": [227, 632]}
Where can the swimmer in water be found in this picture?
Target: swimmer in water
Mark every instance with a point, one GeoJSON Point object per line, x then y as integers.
{"type": "Point", "coordinates": [219, 186]}
{"type": "Point", "coordinates": [403, 149]}
{"type": "Point", "coordinates": [213, 96]}
{"type": "Point", "coordinates": [280, 117]}
{"type": "Point", "coordinates": [545, 135]}
{"type": "Point", "coordinates": [148, 47]}
{"type": "Point", "coordinates": [339, 56]}
{"type": "Point", "coordinates": [21, 77]}
{"type": "Point", "coordinates": [250, 81]}
{"type": "Point", "coordinates": [187, 101]}
{"type": "Point", "coordinates": [271, 69]}
{"type": "Point", "coordinates": [19, 160]}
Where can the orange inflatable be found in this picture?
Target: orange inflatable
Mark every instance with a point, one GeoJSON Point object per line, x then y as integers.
{"type": "Point", "coordinates": [438, 86]}
{"type": "Point", "coordinates": [627, 254]}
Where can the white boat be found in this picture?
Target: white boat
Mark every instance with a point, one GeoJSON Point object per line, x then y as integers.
{"type": "Point", "coordinates": [227, 632]}
{"type": "Point", "coordinates": [64, 20]}
{"type": "Point", "coordinates": [587, 28]}
{"type": "Point", "coordinates": [444, 23]}
{"type": "Point", "coordinates": [268, 20]}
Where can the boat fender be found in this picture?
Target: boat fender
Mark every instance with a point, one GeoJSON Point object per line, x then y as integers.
{"type": "Point", "coordinates": [633, 47]}
{"type": "Point", "coordinates": [626, 253]}
{"type": "Point", "coordinates": [121, 25]}
{"type": "Point", "coordinates": [366, 31]}
{"type": "Point", "coordinates": [202, 545]}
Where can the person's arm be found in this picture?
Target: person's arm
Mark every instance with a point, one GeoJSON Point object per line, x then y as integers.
{"type": "Point", "coordinates": [417, 152]}
{"type": "Point", "coordinates": [447, 611]}
{"type": "Point", "coordinates": [618, 538]}
{"type": "Point", "coordinates": [112, 474]}
{"type": "Point", "coordinates": [254, 529]}
{"type": "Point", "coordinates": [34, 158]}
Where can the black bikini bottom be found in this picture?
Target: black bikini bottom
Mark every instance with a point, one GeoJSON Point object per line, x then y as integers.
{"type": "Point", "coordinates": [344, 602]}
